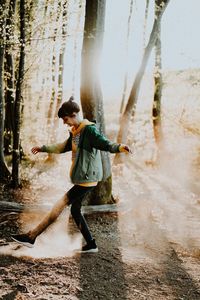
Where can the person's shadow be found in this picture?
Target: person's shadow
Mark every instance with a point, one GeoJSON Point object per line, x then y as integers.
{"type": "Point", "coordinates": [101, 274]}
{"type": "Point", "coordinates": [182, 284]}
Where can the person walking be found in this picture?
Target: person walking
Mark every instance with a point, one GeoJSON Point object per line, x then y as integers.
{"type": "Point", "coordinates": [86, 171]}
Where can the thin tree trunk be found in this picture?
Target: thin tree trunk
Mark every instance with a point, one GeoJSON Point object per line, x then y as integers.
{"type": "Point", "coordinates": [61, 56]}
{"type": "Point", "coordinates": [4, 174]}
{"type": "Point", "coordinates": [126, 75]}
{"type": "Point", "coordinates": [60, 73]}
{"type": "Point", "coordinates": [91, 94]}
{"type": "Point", "coordinates": [9, 71]}
{"type": "Point", "coordinates": [17, 111]}
{"type": "Point", "coordinates": [156, 110]}
{"type": "Point", "coordinates": [132, 101]}
{"type": "Point", "coordinates": [44, 79]}
{"type": "Point", "coordinates": [145, 22]}
{"type": "Point", "coordinates": [80, 6]}
{"type": "Point", "coordinates": [52, 104]}
{"type": "Point", "coordinates": [30, 15]}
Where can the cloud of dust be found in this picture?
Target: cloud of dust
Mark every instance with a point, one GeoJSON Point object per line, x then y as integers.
{"type": "Point", "coordinates": [160, 208]}
{"type": "Point", "coordinates": [48, 184]}
{"type": "Point", "coordinates": [56, 241]}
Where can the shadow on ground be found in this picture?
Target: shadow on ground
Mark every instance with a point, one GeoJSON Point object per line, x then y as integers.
{"type": "Point", "coordinates": [105, 271]}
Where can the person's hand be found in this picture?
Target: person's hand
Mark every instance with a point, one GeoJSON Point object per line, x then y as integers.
{"type": "Point", "coordinates": [124, 148]}
{"type": "Point", "coordinates": [35, 150]}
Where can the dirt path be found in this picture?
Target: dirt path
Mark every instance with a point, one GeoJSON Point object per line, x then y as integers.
{"type": "Point", "coordinates": [114, 273]}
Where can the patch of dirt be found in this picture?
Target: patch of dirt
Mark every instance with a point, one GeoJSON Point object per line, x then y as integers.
{"type": "Point", "coordinates": [117, 271]}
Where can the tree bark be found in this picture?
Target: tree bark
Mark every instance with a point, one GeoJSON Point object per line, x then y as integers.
{"type": "Point", "coordinates": [59, 97]}
{"type": "Point", "coordinates": [126, 75]}
{"type": "Point", "coordinates": [52, 104]}
{"type": "Point", "coordinates": [4, 174]}
{"type": "Point", "coordinates": [156, 110]}
{"type": "Point", "coordinates": [61, 56]}
{"type": "Point", "coordinates": [44, 78]}
{"type": "Point", "coordinates": [91, 94]}
{"type": "Point", "coordinates": [76, 38]}
{"type": "Point", "coordinates": [145, 21]}
{"type": "Point", "coordinates": [10, 87]}
{"type": "Point", "coordinates": [17, 108]}
{"type": "Point", "coordinates": [132, 101]}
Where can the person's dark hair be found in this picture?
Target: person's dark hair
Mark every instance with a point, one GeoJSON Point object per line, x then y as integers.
{"type": "Point", "coordinates": [68, 108]}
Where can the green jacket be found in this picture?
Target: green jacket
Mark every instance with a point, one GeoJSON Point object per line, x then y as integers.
{"type": "Point", "coordinates": [87, 164]}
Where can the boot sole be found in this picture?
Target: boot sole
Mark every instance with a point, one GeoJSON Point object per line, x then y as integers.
{"type": "Point", "coordinates": [88, 251]}
{"type": "Point", "coordinates": [29, 245]}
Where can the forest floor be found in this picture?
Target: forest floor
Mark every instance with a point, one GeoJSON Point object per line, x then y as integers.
{"type": "Point", "coordinates": [128, 265]}
{"type": "Point", "coordinates": [105, 275]}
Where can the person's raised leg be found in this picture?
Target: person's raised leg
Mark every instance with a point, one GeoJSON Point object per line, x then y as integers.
{"type": "Point", "coordinates": [28, 239]}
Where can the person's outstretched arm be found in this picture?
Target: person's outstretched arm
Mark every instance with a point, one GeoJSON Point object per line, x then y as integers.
{"type": "Point", "coordinates": [54, 148]}
{"type": "Point", "coordinates": [100, 142]}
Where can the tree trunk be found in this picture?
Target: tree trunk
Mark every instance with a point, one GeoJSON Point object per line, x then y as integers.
{"type": "Point", "coordinates": [126, 75]}
{"type": "Point", "coordinates": [4, 174]}
{"type": "Point", "coordinates": [76, 39]}
{"type": "Point", "coordinates": [9, 71]}
{"type": "Point", "coordinates": [145, 22]}
{"type": "Point", "coordinates": [55, 120]}
{"type": "Point", "coordinates": [91, 94]}
{"type": "Point", "coordinates": [43, 81]}
{"type": "Point", "coordinates": [52, 104]}
{"type": "Point", "coordinates": [156, 110]}
{"type": "Point", "coordinates": [61, 57]}
{"type": "Point", "coordinates": [132, 101]}
{"type": "Point", "coordinates": [17, 108]}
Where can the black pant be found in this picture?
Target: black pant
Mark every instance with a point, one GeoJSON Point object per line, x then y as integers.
{"type": "Point", "coordinates": [76, 195]}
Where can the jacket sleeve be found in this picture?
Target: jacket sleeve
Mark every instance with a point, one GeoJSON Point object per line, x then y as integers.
{"type": "Point", "coordinates": [99, 141]}
{"type": "Point", "coordinates": [58, 148]}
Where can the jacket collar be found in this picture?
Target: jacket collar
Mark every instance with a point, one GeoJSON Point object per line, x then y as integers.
{"type": "Point", "coordinates": [84, 123]}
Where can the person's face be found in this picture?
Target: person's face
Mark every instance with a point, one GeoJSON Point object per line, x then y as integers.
{"type": "Point", "coordinates": [70, 120]}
